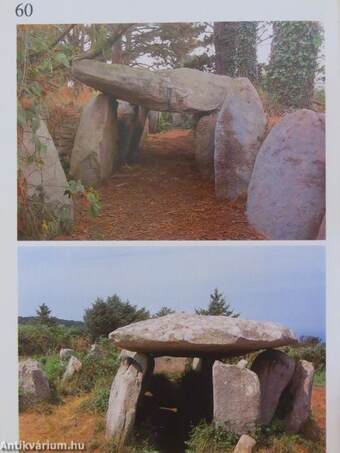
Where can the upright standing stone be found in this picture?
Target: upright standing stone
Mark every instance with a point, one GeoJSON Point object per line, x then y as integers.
{"type": "Point", "coordinates": [274, 369]}
{"type": "Point", "coordinates": [65, 353]}
{"type": "Point", "coordinates": [154, 119]}
{"type": "Point", "coordinates": [237, 398]}
{"type": "Point", "coordinates": [286, 195]}
{"type": "Point", "coordinates": [95, 150]}
{"type": "Point", "coordinates": [33, 383]}
{"type": "Point", "coordinates": [74, 366]}
{"type": "Point", "coordinates": [245, 444]}
{"type": "Point", "coordinates": [298, 397]}
{"type": "Point", "coordinates": [205, 145]}
{"type": "Point", "coordinates": [44, 176]}
{"type": "Point", "coordinates": [131, 125]}
{"type": "Point", "coordinates": [240, 126]}
{"type": "Point", "coordinates": [125, 393]}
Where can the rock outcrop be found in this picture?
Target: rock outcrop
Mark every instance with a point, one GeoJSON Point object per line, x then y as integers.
{"type": "Point", "coordinates": [240, 126]}
{"type": "Point", "coordinates": [187, 335]}
{"type": "Point", "coordinates": [44, 176]}
{"type": "Point", "coordinates": [95, 150]}
{"type": "Point", "coordinates": [274, 369]}
{"type": "Point", "coordinates": [286, 194]}
{"type": "Point", "coordinates": [33, 383]}
{"type": "Point", "coordinates": [125, 393]}
{"type": "Point", "coordinates": [237, 398]}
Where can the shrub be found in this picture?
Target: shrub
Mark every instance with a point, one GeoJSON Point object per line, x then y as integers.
{"type": "Point", "coordinates": [96, 370]}
{"type": "Point", "coordinates": [40, 339]}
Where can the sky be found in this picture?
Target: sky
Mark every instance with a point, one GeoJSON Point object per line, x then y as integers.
{"type": "Point", "coordinates": [284, 284]}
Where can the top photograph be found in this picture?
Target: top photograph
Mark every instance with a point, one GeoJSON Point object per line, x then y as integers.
{"type": "Point", "coordinates": [171, 131]}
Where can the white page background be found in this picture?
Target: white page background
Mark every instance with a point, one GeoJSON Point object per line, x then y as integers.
{"type": "Point", "coordinates": [107, 11]}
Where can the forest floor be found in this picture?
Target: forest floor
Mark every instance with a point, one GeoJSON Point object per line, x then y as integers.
{"type": "Point", "coordinates": [163, 197]}
{"type": "Point", "coordinates": [68, 421]}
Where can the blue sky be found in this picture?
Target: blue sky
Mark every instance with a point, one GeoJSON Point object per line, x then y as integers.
{"type": "Point", "coordinates": [284, 284]}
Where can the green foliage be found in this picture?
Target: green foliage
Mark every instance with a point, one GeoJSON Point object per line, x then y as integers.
{"type": "Point", "coordinates": [217, 306]}
{"type": "Point", "coordinates": [315, 353]}
{"type": "Point", "coordinates": [97, 372]}
{"type": "Point", "coordinates": [39, 339]}
{"type": "Point", "coordinates": [105, 316]}
{"type": "Point", "coordinates": [44, 315]}
{"type": "Point", "coordinates": [53, 367]}
{"type": "Point", "coordinates": [320, 377]}
{"type": "Point", "coordinates": [293, 64]}
{"type": "Point", "coordinates": [206, 438]}
{"type": "Point", "coordinates": [164, 311]}
{"type": "Point", "coordinates": [235, 47]}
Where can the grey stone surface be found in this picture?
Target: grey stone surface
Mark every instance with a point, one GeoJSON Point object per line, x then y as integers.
{"type": "Point", "coordinates": [125, 393]}
{"type": "Point", "coordinates": [275, 370]}
{"type": "Point", "coordinates": [245, 444]}
{"type": "Point", "coordinates": [192, 335]}
{"type": "Point", "coordinates": [95, 150]}
{"type": "Point", "coordinates": [131, 126]}
{"type": "Point", "coordinates": [299, 397]}
{"type": "Point", "coordinates": [65, 353]}
{"type": "Point", "coordinates": [44, 176]}
{"type": "Point", "coordinates": [240, 126]}
{"type": "Point", "coordinates": [154, 119]}
{"type": "Point", "coordinates": [205, 145]}
{"type": "Point", "coordinates": [74, 366]}
{"type": "Point", "coordinates": [33, 383]}
{"type": "Point", "coordinates": [286, 195]}
{"type": "Point", "coordinates": [173, 90]}
{"type": "Point", "coordinates": [237, 398]}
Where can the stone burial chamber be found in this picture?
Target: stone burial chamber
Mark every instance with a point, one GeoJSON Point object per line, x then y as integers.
{"type": "Point", "coordinates": [280, 172]}
{"type": "Point", "coordinates": [232, 396]}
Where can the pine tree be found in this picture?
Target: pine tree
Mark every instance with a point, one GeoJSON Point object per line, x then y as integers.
{"type": "Point", "coordinates": [163, 312]}
{"type": "Point", "coordinates": [44, 314]}
{"type": "Point", "coordinates": [218, 306]}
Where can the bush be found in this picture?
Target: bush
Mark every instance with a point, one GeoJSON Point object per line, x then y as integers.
{"type": "Point", "coordinates": [104, 316]}
{"type": "Point", "coordinates": [96, 371]}
{"type": "Point", "coordinates": [315, 353]}
{"type": "Point", "coordinates": [40, 339]}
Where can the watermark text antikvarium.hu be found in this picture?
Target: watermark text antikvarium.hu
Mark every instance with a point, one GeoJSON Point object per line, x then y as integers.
{"type": "Point", "coordinates": [41, 446]}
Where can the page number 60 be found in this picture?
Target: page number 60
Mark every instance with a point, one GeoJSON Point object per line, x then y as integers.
{"type": "Point", "coordinates": [24, 9]}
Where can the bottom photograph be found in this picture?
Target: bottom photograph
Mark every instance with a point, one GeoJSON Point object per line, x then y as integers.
{"type": "Point", "coordinates": [166, 348]}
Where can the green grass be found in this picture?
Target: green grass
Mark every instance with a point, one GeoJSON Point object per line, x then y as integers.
{"type": "Point", "coordinates": [320, 377]}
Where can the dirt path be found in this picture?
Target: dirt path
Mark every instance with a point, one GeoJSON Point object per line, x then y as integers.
{"type": "Point", "coordinates": [162, 198]}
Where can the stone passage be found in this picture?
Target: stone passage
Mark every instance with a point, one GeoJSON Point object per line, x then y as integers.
{"type": "Point", "coordinates": [283, 177]}
{"type": "Point", "coordinates": [233, 396]}
{"type": "Point", "coordinates": [240, 126]}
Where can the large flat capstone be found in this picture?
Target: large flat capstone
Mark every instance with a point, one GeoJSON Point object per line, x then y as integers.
{"type": "Point", "coordinates": [193, 335]}
{"type": "Point", "coordinates": [174, 90]}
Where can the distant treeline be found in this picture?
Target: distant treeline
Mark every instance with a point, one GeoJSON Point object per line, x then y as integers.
{"type": "Point", "coordinates": [65, 322]}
